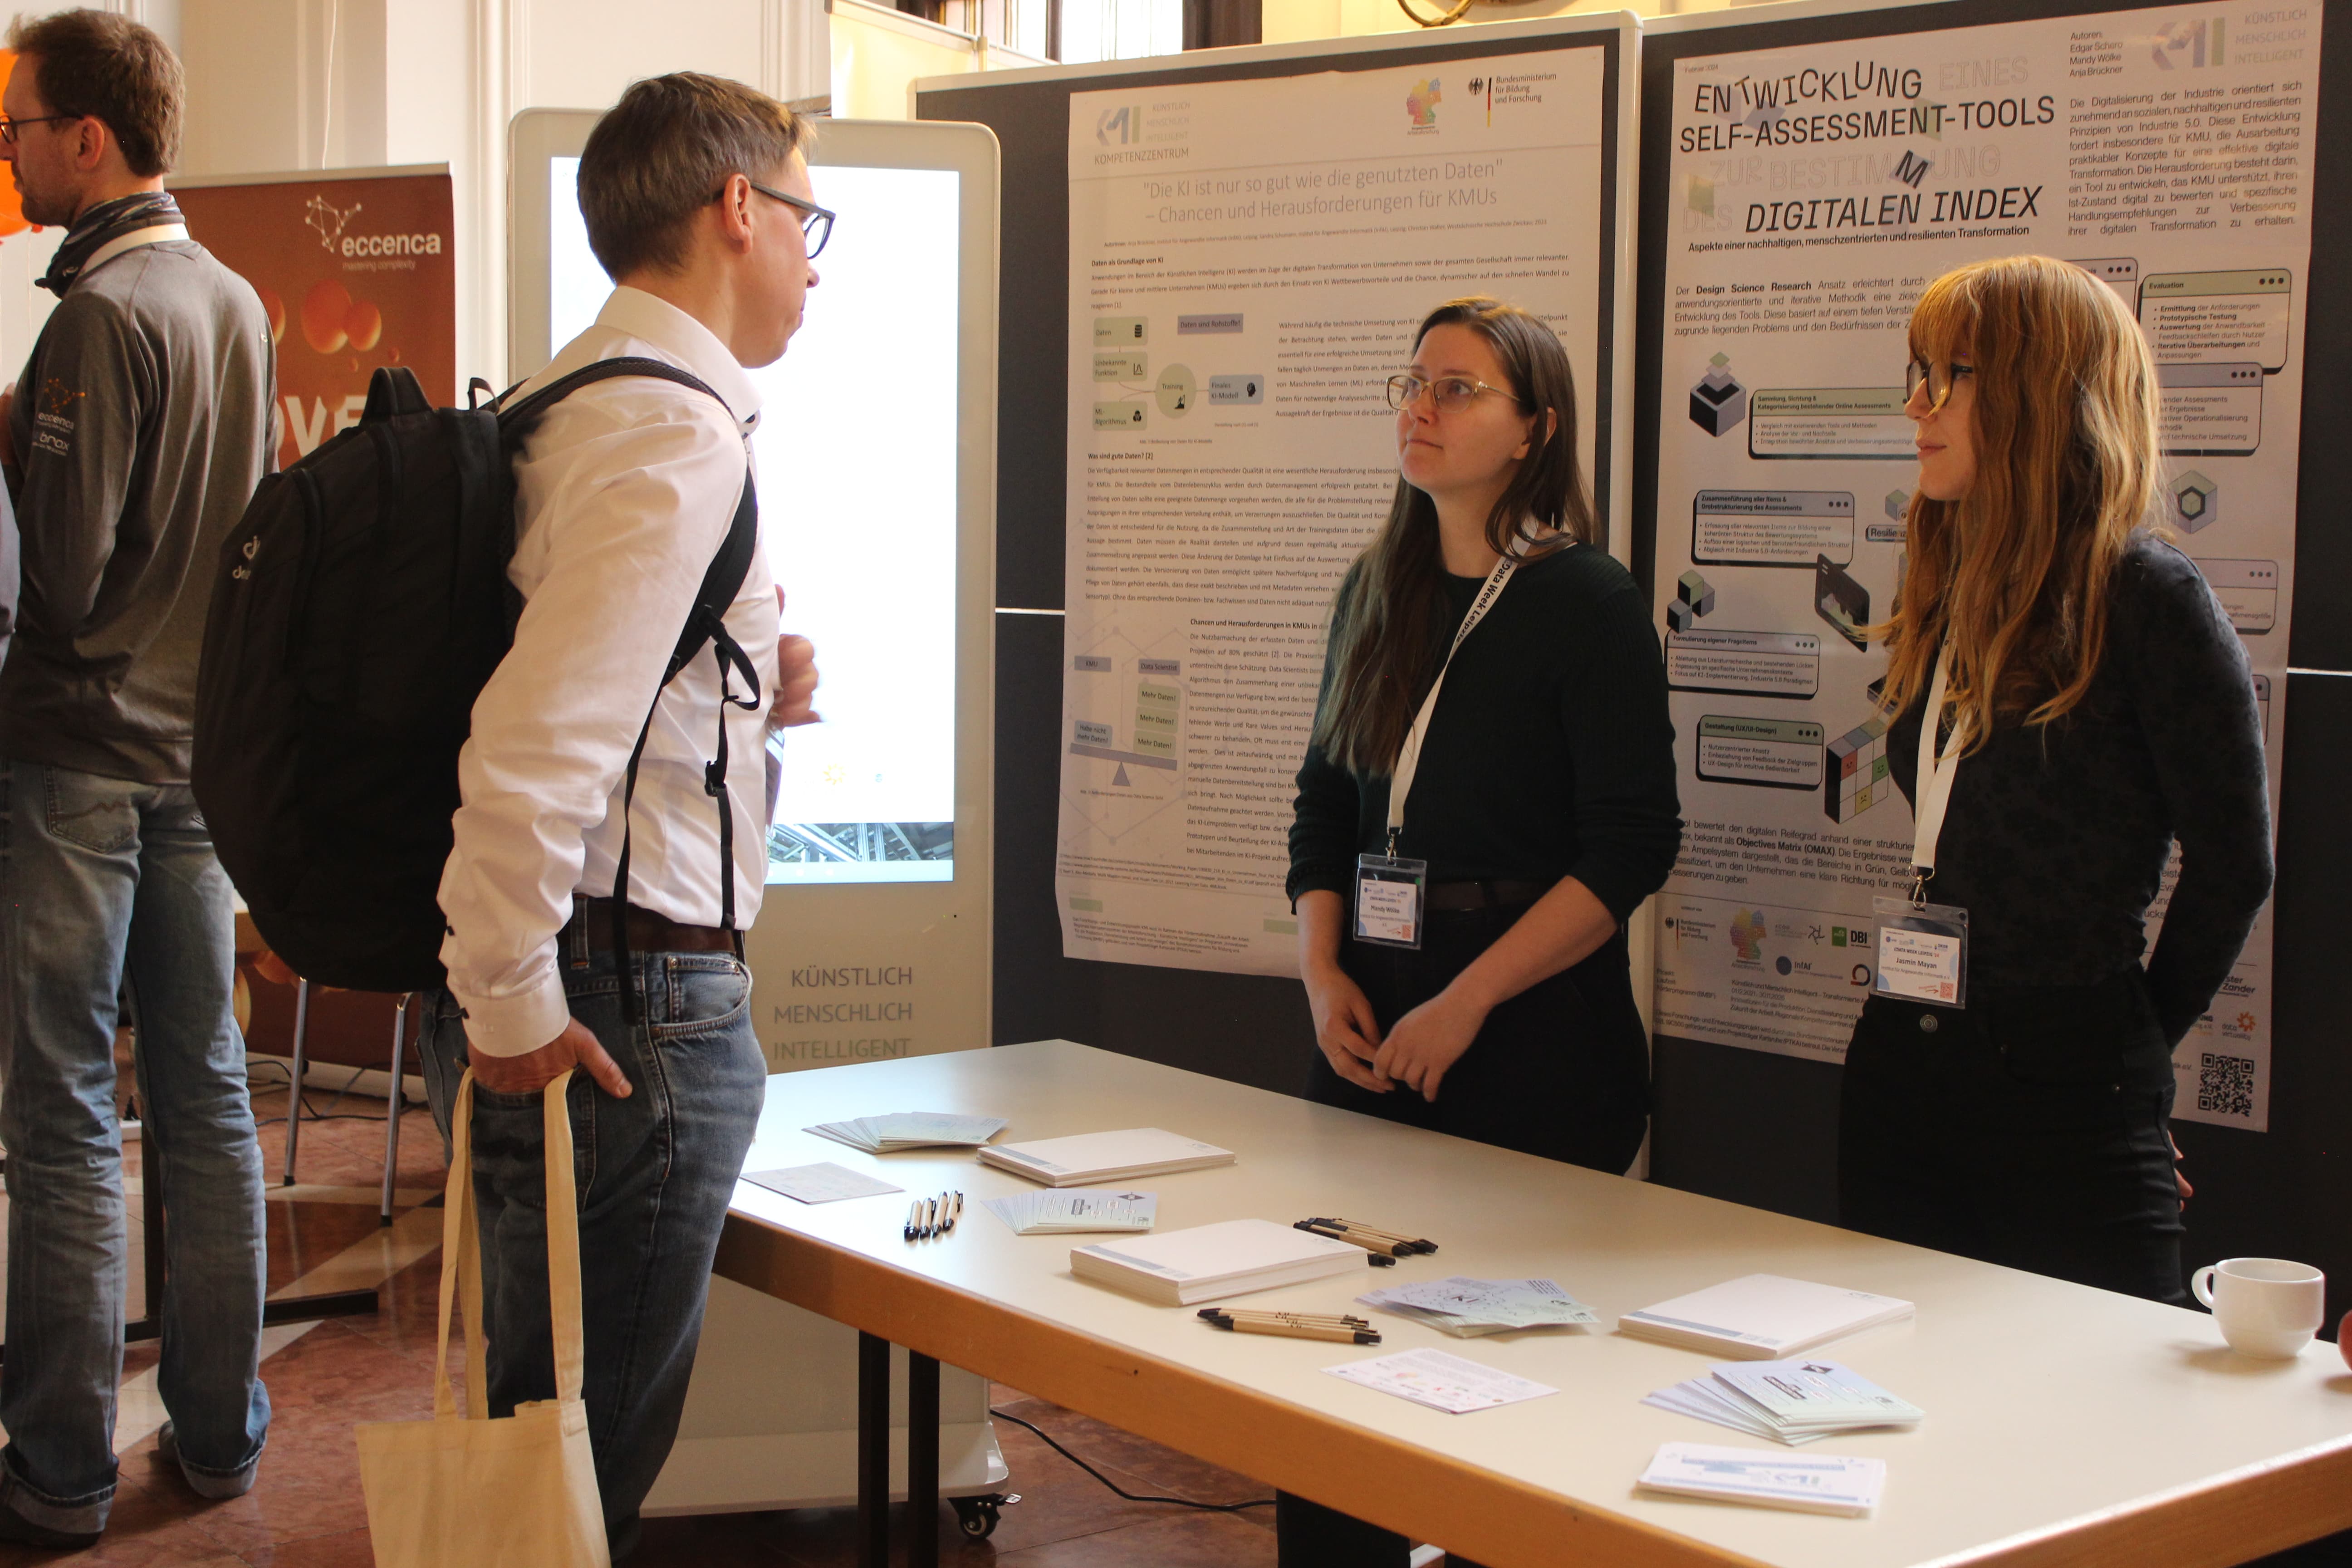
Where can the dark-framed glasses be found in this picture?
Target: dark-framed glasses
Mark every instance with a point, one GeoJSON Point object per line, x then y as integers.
{"type": "Point", "coordinates": [1937, 379]}
{"type": "Point", "coordinates": [816, 221]}
{"type": "Point", "coordinates": [1450, 392]}
{"type": "Point", "coordinates": [8, 123]}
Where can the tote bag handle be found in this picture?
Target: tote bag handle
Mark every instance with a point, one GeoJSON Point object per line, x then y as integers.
{"type": "Point", "coordinates": [461, 1243]}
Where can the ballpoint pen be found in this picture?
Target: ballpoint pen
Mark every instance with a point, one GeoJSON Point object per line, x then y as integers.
{"type": "Point", "coordinates": [914, 1213]}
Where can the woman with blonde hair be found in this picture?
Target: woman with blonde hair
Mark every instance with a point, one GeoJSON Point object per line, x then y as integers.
{"type": "Point", "coordinates": [2090, 704]}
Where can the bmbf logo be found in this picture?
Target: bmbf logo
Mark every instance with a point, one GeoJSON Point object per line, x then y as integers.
{"type": "Point", "coordinates": [1477, 85]}
{"type": "Point", "coordinates": [1118, 126]}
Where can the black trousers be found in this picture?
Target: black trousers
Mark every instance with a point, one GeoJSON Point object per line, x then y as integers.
{"type": "Point", "coordinates": [2027, 1130]}
{"type": "Point", "coordinates": [1562, 1070]}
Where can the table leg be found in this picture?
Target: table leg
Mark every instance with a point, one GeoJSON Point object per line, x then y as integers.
{"type": "Point", "coordinates": [873, 1451]}
{"type": "Point", "coordinates": [294, 1092]}
{"type": "Point", "coordinates": [395, 1102]}
{"type": "Point", "coordinates": [922, 1461]}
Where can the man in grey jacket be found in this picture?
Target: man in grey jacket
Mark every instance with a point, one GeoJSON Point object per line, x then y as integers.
{"type": "Point", "coordinates": [133, 439]}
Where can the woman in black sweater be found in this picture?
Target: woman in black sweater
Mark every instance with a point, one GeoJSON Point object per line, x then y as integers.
{"type": "Point", "coordinates": [1543, 798]}
{"type": "Point", "coordinates": [2100, 706]}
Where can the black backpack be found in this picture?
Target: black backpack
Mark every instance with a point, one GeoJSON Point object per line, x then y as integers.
{"type": "Point", "coordinates": [360, 608]}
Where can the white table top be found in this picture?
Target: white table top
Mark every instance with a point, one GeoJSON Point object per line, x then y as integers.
{"type": "Point", "coordinates": [2058, 1417]}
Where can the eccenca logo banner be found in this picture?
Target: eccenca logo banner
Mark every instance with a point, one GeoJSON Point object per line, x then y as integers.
{"type": "Point", "coordinates": [357, 272]}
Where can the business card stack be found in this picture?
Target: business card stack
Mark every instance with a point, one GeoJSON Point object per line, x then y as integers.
{"type": "Point", "coordinates": [1090, 1157]}
{"type": "Point", "coordinates": [1818, 1483]}
{"type": "Point", "coordinates": [1762, 1317]}
{"type": "Point", "coordinates": [1792, 1401]}
{"type": "Point", "coordinates": [1467, 1307]}
{"type": "Point", "coordinates": [910, 1130]}
{"type": "Point", "coordinates": [1208, 1262]}
{"type": "Point", "coordinates": [1061, 1214]}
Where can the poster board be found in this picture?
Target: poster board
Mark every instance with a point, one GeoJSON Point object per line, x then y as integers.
{"type": "Point", "coordinates": [1270, 171]}
{"type": "Point", "coordinates": [1810, 192]}
{"type": "Point", "coordinates": [357, 269]}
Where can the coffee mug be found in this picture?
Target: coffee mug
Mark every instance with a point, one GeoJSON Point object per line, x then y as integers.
{"type": "Point", "coordinates": [2266, 1307]}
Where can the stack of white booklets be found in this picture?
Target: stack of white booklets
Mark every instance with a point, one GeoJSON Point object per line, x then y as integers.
{"type": "Point", "coordinates": [1817, 1483]}
{"type": "Point", "coordinates": [910, 1130]}
{"type": "Point", "coordinates": [1090, 1157]}
{"type": "Point", "coordinates": [1060, 1214]}
{"type": "Point", "coordinates": [1467, 1307]}
{"type": "Point", "coordinates": [1762, 1317]}
{"type": "Point", "coordinates": [1792, 1401]}
{"type": "Point", "coordinates": [1209, 1262]}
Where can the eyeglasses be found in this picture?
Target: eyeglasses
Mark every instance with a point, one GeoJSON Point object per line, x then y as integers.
{"type": "Point", "coordinates": [9, 125]}
{"type": "Point", "coordinates": [1452, 393]}
{"type": "Point", "coordinates": [816, 221]}
{"type": "Point", "coordinates": [1938, 379]}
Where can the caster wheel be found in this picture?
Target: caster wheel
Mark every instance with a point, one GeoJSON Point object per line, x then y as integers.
{"type": "Point", "coordinates": [977, 1517]}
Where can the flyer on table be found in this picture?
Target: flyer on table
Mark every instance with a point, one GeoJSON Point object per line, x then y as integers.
{"type": "Point", "coordinates": [1248, 261]}
{"type": "Point", "coordinates": [1815, 192]}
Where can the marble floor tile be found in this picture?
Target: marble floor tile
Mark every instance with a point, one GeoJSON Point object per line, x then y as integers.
{"type": "Point", "coordinates": [1183, 1541]}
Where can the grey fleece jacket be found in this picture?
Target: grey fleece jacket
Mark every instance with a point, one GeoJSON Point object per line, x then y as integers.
{"type": "Point", "coordinates": [141, 425]}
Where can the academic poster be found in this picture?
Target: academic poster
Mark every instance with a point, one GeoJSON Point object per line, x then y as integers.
{"type": "Point", "coordinates": [1248, 261]}
{"type": "Point", "coordinates": [1814, 191]}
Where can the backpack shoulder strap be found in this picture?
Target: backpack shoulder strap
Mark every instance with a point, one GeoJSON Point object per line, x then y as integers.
{"type": "Point", "coordinates": [517, 422]}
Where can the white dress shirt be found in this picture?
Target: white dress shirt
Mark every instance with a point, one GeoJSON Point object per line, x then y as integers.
{"type": "Point", "coordinates": [621, 497]}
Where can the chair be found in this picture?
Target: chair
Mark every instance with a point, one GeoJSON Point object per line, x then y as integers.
{"type": "Point", "coordinates": [395, 1098]}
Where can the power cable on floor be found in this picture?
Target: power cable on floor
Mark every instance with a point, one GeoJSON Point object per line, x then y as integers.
{"type": "Point", "coordinates": [1131, 1497]}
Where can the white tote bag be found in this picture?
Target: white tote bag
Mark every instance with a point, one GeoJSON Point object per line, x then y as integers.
{"type": "Point", "coordinates": [467, 1491]}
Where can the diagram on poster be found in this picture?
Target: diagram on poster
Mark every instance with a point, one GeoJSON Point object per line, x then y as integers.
{"type": "Point", "coordinates": [1248, 261]}
{"type": "Point", "coordinates": [1815, 191]}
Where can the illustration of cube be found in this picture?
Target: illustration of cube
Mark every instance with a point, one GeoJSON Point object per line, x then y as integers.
{"type": "Point", "coordinates": [2196, 501]}
{"type": "Point", "coordinates": [1855, 775]}
{"type": "Point", "coordinates": [1719, 403]}
{"type": "Point", "coordinates": [1696, 592]}
{"type": "Point", "coordinates": [1899, 504]}
{"type": "Point", "coordinates": [1679, 616]}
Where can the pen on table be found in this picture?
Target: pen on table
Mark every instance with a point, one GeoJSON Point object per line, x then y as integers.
{"type": "Point", "coordinates": [1349, 1230]}
{"type": "Point", "coordinates": [1337, 1333]}
{"type": "Point", "coordinates": [931, 1218]}
{"type": "Point", "coordinates": [955, 1209]}
{"type": "Point", "coordinates": [914, 1213]}
{"type": "Point", "coordinates": [1383, 1254]}
{"type": "Point", "coordinates": [1347, 1318]}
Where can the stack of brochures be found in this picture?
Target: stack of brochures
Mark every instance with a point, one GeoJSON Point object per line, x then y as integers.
{"type": "Point", "coordinates": [1467, 1307]}
{"type": "Point", "coordinates": [1059, 1214]}
{"type": "Point", "coordinates": [1790, 1401]}
{"type": "Point", "coordinates": [1762, 1317]}
{"type": "Point", "coordinates": [910, 1129]}
{"type": "Point", "coordinates": [1817, 1483]}
{"type": "Point", "coordinates": [1091, 1157]}
{"type": "Point", "coordinates": [1208, 1262]}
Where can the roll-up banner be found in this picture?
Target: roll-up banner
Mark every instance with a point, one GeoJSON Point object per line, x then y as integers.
{"type": "Point", "coordinates": [357, 272]}
{"type": "Point", "coordinates": [1811, 193]}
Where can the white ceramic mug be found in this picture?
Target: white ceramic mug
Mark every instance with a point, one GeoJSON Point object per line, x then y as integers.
{"type": "Point", "coordinates": [2266, 1306]}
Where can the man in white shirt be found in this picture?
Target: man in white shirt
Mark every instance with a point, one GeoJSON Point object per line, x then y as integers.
{"type": "Point", "coordinates": [697, 202]}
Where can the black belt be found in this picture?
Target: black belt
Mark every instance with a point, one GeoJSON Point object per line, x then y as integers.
{"type": "Point", "coordinates": [1451, 897]}
{"type": "Point", "coordinates": [649, 932]}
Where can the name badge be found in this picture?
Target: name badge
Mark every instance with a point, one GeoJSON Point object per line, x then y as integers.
{"type": "Point", "coordinates": [1389, 900]}
{"type": "Point", "coordinates": [1923, 952]}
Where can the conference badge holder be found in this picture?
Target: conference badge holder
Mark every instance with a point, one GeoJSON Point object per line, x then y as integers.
{"type": "Point", "coordinates": [1923, 952]}
{"type": "Point", "coordinates": [1389, 895]}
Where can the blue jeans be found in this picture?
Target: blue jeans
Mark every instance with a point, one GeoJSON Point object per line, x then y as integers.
{"type": "Point", "coordinates": [108, 889]}
{"type": "Point", "coordinates": [654, 1172]}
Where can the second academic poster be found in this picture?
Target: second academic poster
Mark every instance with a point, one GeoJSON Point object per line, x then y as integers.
{"type": "Point", "coordinates": [1247, 262]}
{"type": "Point", "coordinates": [1811, 193]}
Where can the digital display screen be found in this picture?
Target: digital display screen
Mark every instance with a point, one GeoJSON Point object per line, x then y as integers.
{"type": "Point", "coordinates": [856, 451]}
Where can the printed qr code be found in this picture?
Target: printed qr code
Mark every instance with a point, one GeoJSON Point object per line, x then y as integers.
{"type": "Point", "coordinates": [2226, 1085]}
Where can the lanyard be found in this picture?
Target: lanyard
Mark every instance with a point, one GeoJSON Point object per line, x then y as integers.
{"type": "Point", "coordinates": [1936, 771]}
{"type": "Point", "coordinates": [1409, 759]}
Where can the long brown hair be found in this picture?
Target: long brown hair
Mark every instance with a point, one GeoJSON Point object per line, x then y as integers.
{"type": "Point", "coordinates": [1385, 620]}
{"type": "Point", "coordinates": [2013, 577]}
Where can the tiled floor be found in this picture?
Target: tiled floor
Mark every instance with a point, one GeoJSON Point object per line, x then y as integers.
{"type": "Point", "coordinates": [324, 1378]}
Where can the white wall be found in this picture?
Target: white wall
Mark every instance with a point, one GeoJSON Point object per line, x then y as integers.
{"type": "Point", "coordinates": [320, 84]}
